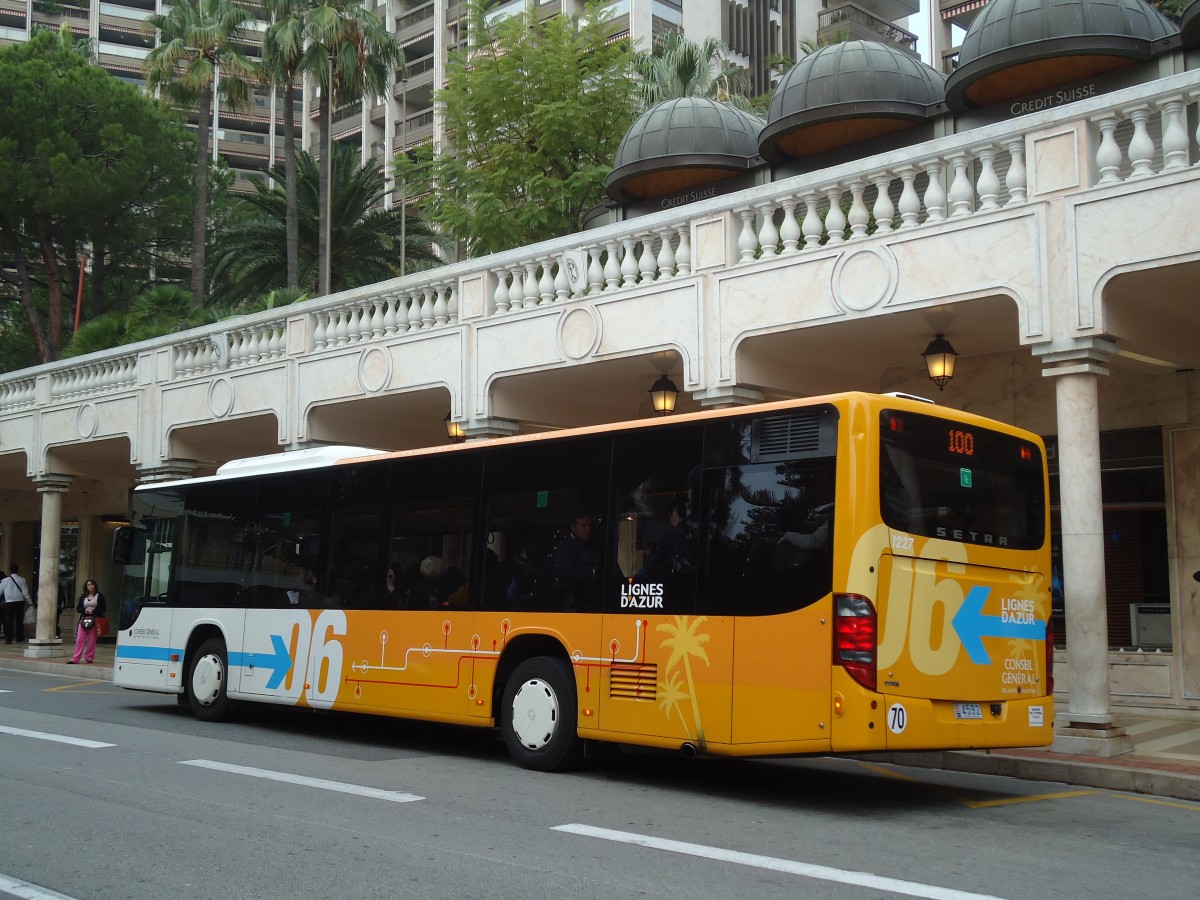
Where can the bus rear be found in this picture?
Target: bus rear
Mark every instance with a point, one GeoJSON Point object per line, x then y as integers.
{"type": "Point", "coordinates": [942, 634]}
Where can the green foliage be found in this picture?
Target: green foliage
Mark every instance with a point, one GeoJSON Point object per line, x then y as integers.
{"type": "Point", "coordinates": [87, 164]}
{"type": "Point", "coordinates": [350, 54]}
{"type": "Point", "coordinates": [535, 112]}
{"type": "Point", "coordinates": [17, 349]}
{"type": "Point", "coordinates": [282, 58]}
{"type": "Point", "coordinates": [252, 253]}
{"type": "Point", "coordinates": [196, 38]}
{"type": "Point", "coordinates": [678, 67]}
{"type": "Point", "coordinates": [1172, 9]}
{"type": "Point", "coordinates": [162, 309]}
{"type": "Point", "coordinates": [273, 300]}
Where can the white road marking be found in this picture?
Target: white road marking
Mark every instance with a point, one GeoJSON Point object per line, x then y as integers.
{"type": "Point", "coordinates": [376, 793]}
{"type": "Point", "coordinates": [791, 867]}
{"type": "Point", "coordinates": [58, 738]}
{"type": "Point", "coordinates": [27, 891]}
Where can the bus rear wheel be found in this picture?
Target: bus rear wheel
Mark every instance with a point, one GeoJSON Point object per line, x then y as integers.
{"type": "Point", "coordinates": [539, 715]}
{"type": "Point", "coordinates": [207, 682]}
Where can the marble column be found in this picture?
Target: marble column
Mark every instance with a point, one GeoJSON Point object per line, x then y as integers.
{"type": "Point", "coordinates": [1088, 726]}
{"type": "Point", "coordinates": [482, 429]}
{"type": "Point", "coordinates": [167, 470]}
{"type": "Point", "coordinates": [45, 643]}
{"type": "Point", "coordinates": [728, 396]}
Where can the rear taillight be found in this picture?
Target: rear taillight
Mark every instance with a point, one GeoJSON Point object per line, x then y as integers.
{"type": "Point", "coordinates": [855, 636]}
{"type": "Point", "coordinates": [1049, 656]}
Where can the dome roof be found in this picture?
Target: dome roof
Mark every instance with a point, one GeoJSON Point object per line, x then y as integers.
{"type": "Point", "coordinates": [679, 144]}
{"type": "Point", "coordinates": [845, 93]}
{"type": "Point", "coordinates": [1018, 47]}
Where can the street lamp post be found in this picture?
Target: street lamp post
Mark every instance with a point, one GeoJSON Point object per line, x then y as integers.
{"type": "Point", "coordinates": [216, 106]}
{"type": "Point", "coordinates": [327, 154]}
{"type": "Point", "coordinates": [404, 174]}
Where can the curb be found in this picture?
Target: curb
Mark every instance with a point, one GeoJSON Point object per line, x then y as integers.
{"type": "Point", "coordinates": [1129, 778]}
{"type": "Point", "coordinates": [58, 666]}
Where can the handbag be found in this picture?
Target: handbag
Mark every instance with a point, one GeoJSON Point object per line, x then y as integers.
{"type": "Point", "coordinates": [30, 615]}
{"type": "Point", "coordinates": [102, 626]}
{"type": "Point", "coordinates": [87, 623]}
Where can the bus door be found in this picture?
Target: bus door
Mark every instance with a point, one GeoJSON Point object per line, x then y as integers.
{"type": "Point", "coordinates": [283, 551]}
{"type": "Point", "coordinates": [146, 657]}
{"type": "Point", "coordinates": [665, 667]}
{"type": "Point", "coordinates": [770, 565]}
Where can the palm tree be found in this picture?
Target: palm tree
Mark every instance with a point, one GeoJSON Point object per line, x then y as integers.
{"type": "Point", "coordinates": [282, 54]}
{"type": "Point", "coordinates": [678, 67]}
{"type": "Point", "coordinates": [351, 54]}
{"type": "Point", "coordinates": [252, 255]}
{"type": "Point", "coordinates": [196, 40]}
{"type": "Point", "coordinates": [158, 310]}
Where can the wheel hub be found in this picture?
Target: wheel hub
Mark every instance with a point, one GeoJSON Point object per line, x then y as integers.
{"type": "Point", "coordinates": [206, 680]}
{"type": "Point", "coordinates": [535, 714]}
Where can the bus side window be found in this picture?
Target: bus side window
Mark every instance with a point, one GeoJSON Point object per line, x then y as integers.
{"type": "Point", "coordinates": [430, 553]}
{"type": "Point", "coordinates": [769, 531]}
{"type": "Point", "coordinates": [290, 511]}
{"type": "Point", "coordinates": [656, 488]}
{"type": "Point", "coordinates": [537, 498]}
{"type": "Point", "coordinates": [215, 567]}
{"type": "Point", "coordinates": [355, 567]}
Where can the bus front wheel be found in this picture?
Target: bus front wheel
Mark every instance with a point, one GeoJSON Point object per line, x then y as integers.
{"type": "Point", "coordinates": [539, 715]}
{"type": "Point", "coordinates": [206, 684]}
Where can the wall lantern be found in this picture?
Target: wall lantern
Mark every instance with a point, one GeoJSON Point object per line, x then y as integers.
{"type": "Point", "coordinates": [454, 431]}
{"type": "Point", "coordinates": [663, 395]}
{"type": "Point", "coordinates": [939, 361]}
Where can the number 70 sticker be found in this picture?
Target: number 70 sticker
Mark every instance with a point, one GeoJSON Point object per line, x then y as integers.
{"type": "Point", "coordinates": [897, 718]}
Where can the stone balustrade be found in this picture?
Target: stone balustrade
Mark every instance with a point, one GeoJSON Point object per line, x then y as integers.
{"type": "Point", "coordinates": [94, 377]}
{"type": "Point", "coordinates": [1128, 136]}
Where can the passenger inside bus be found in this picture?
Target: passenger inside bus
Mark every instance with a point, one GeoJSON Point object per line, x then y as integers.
{"type": "Point", "coordinates": [439, 587]}
{"type": "Point", "coordinates": [676, 549]}
{"type": "Point", "coordinates": [577, 564]}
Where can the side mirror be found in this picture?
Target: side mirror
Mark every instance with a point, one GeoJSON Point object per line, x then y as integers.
{"type": "Point", "coordinates": [127, 546]}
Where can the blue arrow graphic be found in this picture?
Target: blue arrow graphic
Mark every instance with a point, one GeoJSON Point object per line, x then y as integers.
{"type": "Point", "coordinates": [279, 661]}
{"type": "Point", "coordinates": [973, 626]}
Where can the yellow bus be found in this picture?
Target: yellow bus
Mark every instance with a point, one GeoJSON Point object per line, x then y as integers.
{"type": "Point", "coordinates": [837, 574]}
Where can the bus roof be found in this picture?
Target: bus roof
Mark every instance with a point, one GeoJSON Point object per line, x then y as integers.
{"type": "Point", "coordinates": [331, 455]}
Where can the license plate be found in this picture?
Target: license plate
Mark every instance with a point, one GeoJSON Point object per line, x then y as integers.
{"type": "Point", "coordinates": [968, 711]}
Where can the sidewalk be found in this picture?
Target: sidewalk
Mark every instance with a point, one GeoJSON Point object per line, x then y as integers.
{"type": "Point", "coordinates": [1165, 761]}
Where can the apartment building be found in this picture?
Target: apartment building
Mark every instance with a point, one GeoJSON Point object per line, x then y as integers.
{"type": "Point", "coordinates": [758, 33]}
{"type": "Point", "coordinates": [248, 138]}
{"type": "Point", "coordinates": [948, 22]}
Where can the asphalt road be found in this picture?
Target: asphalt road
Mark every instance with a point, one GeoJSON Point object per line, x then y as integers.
{"type": "Point", "coordinates": [110, 794]}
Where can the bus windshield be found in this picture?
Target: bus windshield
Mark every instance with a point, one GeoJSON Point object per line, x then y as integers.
{"type": "Point", "coordinates": [945, 479]}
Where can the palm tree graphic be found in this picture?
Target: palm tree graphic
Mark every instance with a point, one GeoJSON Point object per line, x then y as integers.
{"type": "Point", "coordinates": [685, 643]}
{"type": "Point", "coordinates": [673, 694]}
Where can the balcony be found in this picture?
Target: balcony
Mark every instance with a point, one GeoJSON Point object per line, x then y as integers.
{"type": "Point", "coordinates": [960, 12]}
{"type": "Point", "coordinates": [414, 21]}
{"type": "Point", "coordinates": [891, 9]}
{"type": "Point", "coordinates": [852, 22]}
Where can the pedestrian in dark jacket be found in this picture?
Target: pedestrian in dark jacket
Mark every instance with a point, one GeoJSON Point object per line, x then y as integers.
{"type": "Point", "coordinates": [91, 606]}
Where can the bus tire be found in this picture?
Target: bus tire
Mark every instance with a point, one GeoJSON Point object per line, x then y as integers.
{"type": "Point", "coordinates": [539, 715]}
{"type": "Point", "coordinates": [207, 682]}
